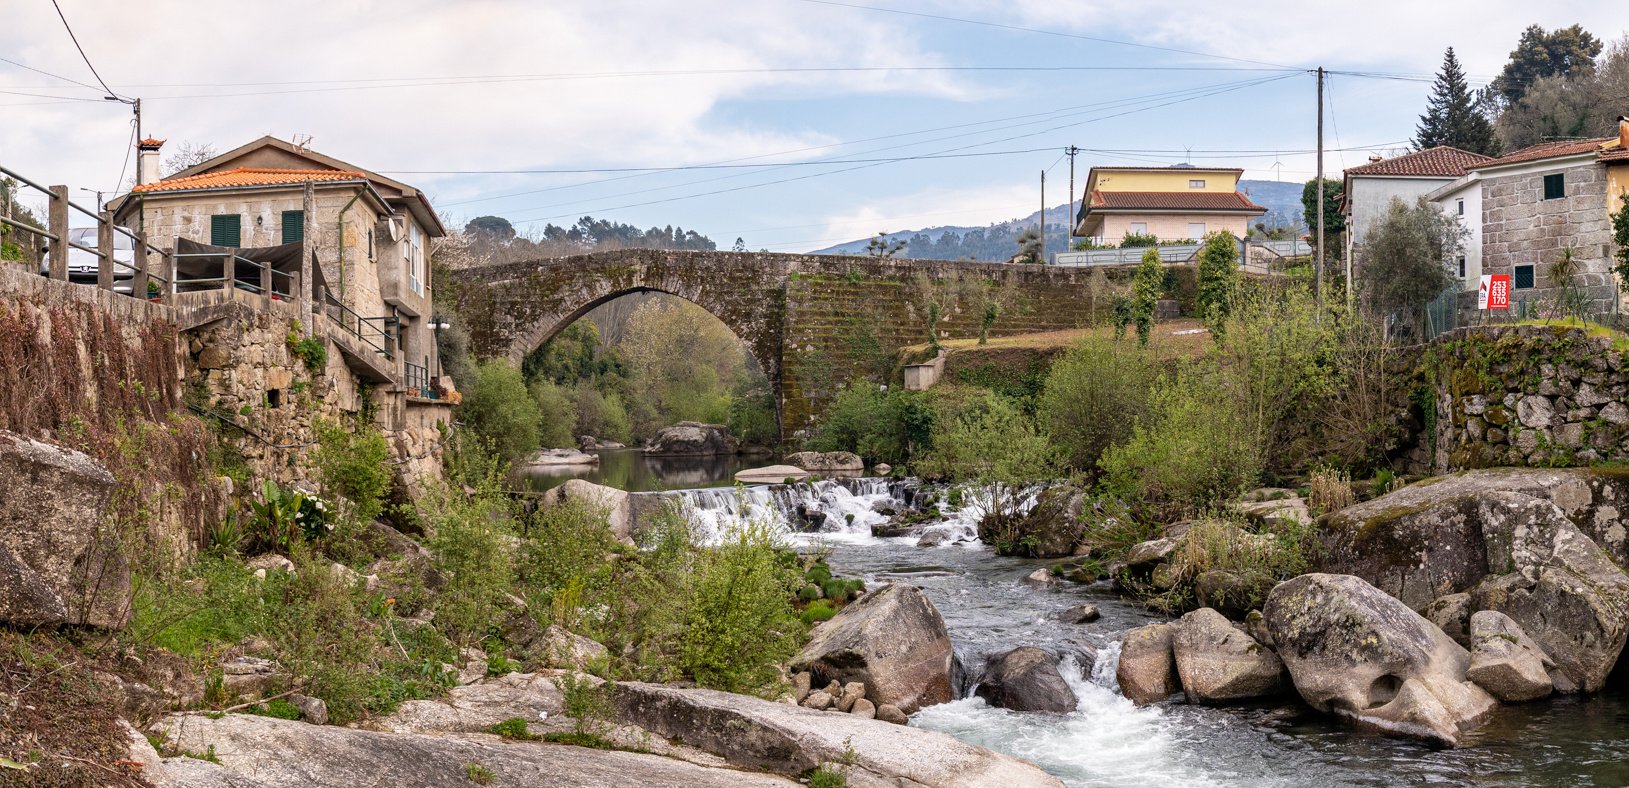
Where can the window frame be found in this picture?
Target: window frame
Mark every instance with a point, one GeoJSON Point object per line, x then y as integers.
{"type": "Point", "coordinates": [415, 259]}
{"type": "Point", "coordinates": [236, 230]}
{"type": "Point", "coordinates": [1559, 179]}
{"type": "Point", "coordinates": [1204, 227]}
{"type": "Point", "coordinates": [1138, 228]}
{"type": "Point", "coordinates": [1462, 266]}
{"type": "Point", "coordinates": [1516, 276]}
{"type": "Point", "coordinates": [1196, 183]}
{"type": "Point", "coordinates": [1461, 202]}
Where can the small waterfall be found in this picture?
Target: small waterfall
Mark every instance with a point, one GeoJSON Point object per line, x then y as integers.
{"type": "Point", "coordinates": [836, 508]}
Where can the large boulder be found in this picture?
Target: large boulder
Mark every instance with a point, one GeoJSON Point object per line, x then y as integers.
{"type": "Point", "coordinates": [609, 500]}
{"type": "Point", "coordinates": [827, 461]}
{"type": "Point", "coordinates": [1220, 664]}
{"type": "Point", "coordinates": [266, 752]}
{"type": "Point", "coordinates": [1565, 592]}
{"type": "Point", "coordinates": [892, 640]}
{"type": "Point", "coordinates": [1050, 529]}
{"type": "Point", "coordinates": [60, 560]}
{"type": "Point", "coordinates": [693, 439]}
{"type": "Point", "coordinates": [1505, 661]}
{"type": "Point", "coordinates": [1354, 651]}
{"type": "Point", "coordinates": [1427, 539]}
{"type": "Point", "coordinates": [787, 739]}
{"type": "Point", "coordinates": [1147, 671]}
{"type": "Point", "coordinates": [1026, 679]}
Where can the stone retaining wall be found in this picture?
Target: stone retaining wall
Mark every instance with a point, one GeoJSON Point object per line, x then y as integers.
{"type": "Point", "coordinates": [1524, 395]}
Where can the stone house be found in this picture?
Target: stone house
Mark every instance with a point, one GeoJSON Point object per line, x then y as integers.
{"type": "Point", "coordinates": [1368, 190]}
{"type": "Point", "coordinates": [1548, 200]}
{"type": "Point", "coordinates": [1171, 203]}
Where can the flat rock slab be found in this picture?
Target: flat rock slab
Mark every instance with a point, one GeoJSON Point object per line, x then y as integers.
{"type": "Point", "coordinates": [772, 474]}
{"type": "Point", "coordinates": [264, 752]}
{"type": "Point", "coordinates": [780, 737]}
{"type": "Point", "coordinates": [477, 707]}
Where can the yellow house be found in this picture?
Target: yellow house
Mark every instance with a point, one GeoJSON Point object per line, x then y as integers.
{"type": "Point", "coordinates": [1172, 204]}
{"type": "Point", "coordinates": [1169, 203]}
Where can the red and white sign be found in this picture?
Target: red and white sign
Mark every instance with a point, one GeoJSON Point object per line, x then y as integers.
{"type": "Point", "coordinates": [1494, 292]}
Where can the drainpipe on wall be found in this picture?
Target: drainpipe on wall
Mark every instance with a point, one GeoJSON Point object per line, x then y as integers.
{"type": "Point", "coordinates": [343, 294]}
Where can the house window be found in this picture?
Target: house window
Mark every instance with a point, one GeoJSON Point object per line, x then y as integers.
{"type": "Point", "coordinates": [1196, 230]}
{"type": "Point", "coordinates": [1139, 228]}
{"type": "Point", "coordinates": [293, 227]}
{"type": "Point", "coordinates": [415, 259]}
{"type": "Point", "coordinates": [1461, 207]}
{"type": "Point", "coordinates": [1555, 186]}
{"type": "Point", "coordinates": [1196, 184]}
{"type": "Point", "coordinates": [370, 243]}
{"type": "Point", "coordinates": [1462, 266]}
{"type": "Point", "coordinates": [1524, 277]}
{"type": "Point", "coordinates": [226, 230]}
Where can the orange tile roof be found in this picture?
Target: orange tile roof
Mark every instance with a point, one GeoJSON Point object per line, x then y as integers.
{"type": "Point", "coordinates": [1548, 150]}
{"type": "Point", "coordinates": [247, 176]}
{"type": "Point", "coordinates": [1439, 162]}
{"type": "Point", "coordinates": [1171, 201]}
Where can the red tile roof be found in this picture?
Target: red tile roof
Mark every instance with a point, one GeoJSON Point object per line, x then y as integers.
{"type": "Point", "coordinates": [248, 176]}
{"type": "Point", "coordinates": [1548, 150]}
{"type": "Point", "coordinates": [1172, 201]}
{"type": "Point", "coordinates": [1615, 155]}
{"type": "Point", "coordinates": [1439, 162]}
{"type": "Point", "coordinates": [150, 142]}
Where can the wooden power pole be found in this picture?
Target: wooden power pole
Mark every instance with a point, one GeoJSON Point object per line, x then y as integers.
{"type": "Point", "coordinates": [1042, 261]}
{"type": "Point", "coordinates": [1071, 151]}
{"type": "Point", "coordinates": [1318, 268]}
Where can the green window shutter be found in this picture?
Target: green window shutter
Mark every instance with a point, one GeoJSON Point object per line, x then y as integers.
{"type": "Point", "coordinates": [293, 227]}
{"type": "Point", "coordinates": [1555, 186]}
{"type": "Point", "coordinates": [226, 230]}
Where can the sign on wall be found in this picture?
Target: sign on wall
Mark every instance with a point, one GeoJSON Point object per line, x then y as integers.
{"type": "Point", "coordinates": [1493, 292]}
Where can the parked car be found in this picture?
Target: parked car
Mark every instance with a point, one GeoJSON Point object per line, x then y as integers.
{"type": "Point", "coordinates": [83, 266]}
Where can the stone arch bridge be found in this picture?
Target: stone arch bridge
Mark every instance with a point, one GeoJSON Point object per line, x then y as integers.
{"type": "Point", "coordinates": [811, 321]}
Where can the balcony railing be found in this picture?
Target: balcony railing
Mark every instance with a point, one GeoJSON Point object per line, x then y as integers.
{"type": "Point", "coordinates": [263, 279]}
{"type": "Point", "coordinates": [52, 243]}
{"type": "Point", "coordinates": [374, 332]}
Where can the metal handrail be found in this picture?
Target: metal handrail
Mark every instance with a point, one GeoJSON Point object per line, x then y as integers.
{"type": "Point", "coordinates": [352, 323]}
{"type": "Point", "coordinates": [251, 285]}
{"type": "Point", "coordinates": [59, 206]}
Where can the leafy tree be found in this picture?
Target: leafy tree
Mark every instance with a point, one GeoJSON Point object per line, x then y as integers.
{"type": "Point", "coordinates": [1146, 286]}
{"type": "Point", "coordinates": [1218, 277]}
{"type": "Point", "coordinates": [498, 408]}
{"type": "Point", "coordinates": [1542, 53]}
{"type": "Point", "coordinates": [1451, 117]}
{"type": "Point", "coordinates": [1093, 396]}
{"type": "Point", "coordinates": [1583, 103]}
{"type": "Point", "coordinates": [1404, 257]}
{"type": "Point", "coordinates": [491, 228]}
{"type": "Point", "coordinates": [1620, 240]}
{"type": "Point", "coordinates": [1029, 246]}
{"type": "Point", "coordinates": [1334, 221]}
{"type": "Point", "coordinates": [740, 245]}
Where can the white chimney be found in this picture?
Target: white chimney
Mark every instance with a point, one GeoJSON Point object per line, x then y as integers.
{"type": "Point", "coordinates": [147, 161]}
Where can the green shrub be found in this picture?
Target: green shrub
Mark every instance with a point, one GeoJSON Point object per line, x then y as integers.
{"type": "Point", "coordinates": [816, 612]}
{"type": "Point", "coordinates": [478, 774]}
{"type": "Point", "coordinates": [498, 407]}
{"type": "Point", "coordinates": [513, 728]}
{"type": "Point", "coordinates": [835, 590]}
{"type": "Point", "coordinates": [809, 593]}
{"type": "Point", "coordinates": [283, 518]}
{"type": "Point", "coordinates": [824, 777]}
{"type": "Point", "coordinates": [1195, 448]}
{"type": "Point", "coordinates": [1218, 278]}
{"type": "Point", "coordinates": [562, 563]}
{"type": "Point", "coordinates": [468, 542]}
{"type": "Point", "coordinates": [1094, 395]}
{"type": "Point", "coordinates": [602, 414]}
{"type": "Point", "coordinates": [740, 604]}
{"type": "Point", "coordinates": [354, 463]}
{"type": "Point", "coordinates": [1147, 285]}
{"type": "Point", "coordinates": [882, 426]}
{"type": "Point", "coordinates": [279, 708]}
{"type": "Point", "coordinates": [558, 408]}
{"type": "Point", "coordinates": [311, 350]}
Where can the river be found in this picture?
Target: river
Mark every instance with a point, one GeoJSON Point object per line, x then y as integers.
{"type": "Point", "coordinates": [1107, 741]}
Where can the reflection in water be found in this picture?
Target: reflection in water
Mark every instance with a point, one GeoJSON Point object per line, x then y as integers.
{"type": "Point", "coordinates": [634, 471]}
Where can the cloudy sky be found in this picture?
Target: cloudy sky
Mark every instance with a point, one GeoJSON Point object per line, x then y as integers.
{"type": "Point", "coordinates": [855, 116]}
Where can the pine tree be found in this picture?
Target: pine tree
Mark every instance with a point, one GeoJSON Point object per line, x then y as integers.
{"type": "Point", "coordinates": [1451, 117]}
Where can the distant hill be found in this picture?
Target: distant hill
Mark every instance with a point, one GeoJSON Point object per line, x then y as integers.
{"type": "Point", "coordinates": [999, 241]}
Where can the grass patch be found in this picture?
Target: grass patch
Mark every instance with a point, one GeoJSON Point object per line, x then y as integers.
{"type": "Point", "coordinates": [478, 774]}
{"type": "Point", "coordinates": [513, 728]}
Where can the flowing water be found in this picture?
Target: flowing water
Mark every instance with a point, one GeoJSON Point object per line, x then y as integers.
{"type": "Point", "coordinates": [1108, 741]}
{"type": "Point", "coordinates": [635, 471]}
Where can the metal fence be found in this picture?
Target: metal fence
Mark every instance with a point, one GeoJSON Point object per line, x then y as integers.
{"type": "Point", "coordinates": [1173, 253]}
{"type": "Point", "coordinates": [266, 280]}
{"type": "Point", "coordinates": [373, 332]}
{"type": "Point", "coordinates": [146, 281]}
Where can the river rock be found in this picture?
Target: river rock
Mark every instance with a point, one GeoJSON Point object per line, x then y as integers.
{"type": "Point", "coordinates": [476, 707]}
{"type": "Point", "coordinates": [1228, 593]}
{"type": "Point", "coordinates": [827, 461]}
{"type": "Point", "coordinates": [1505, 661]}
{"type": "Point", "coordinates": [1144, 556]}
{"type": "Point", "coordinates": [889, 713]}
{"type": "Point", "coordinates": [772, 474]}
{"type": "Point", "coordinates": [1452, 615]}
{"type": "Point", "coordinates": [610, 501]}
{"type": "Point", "coordinates": [558, 648]}
{"type": "Point", "coordinates": [548, 458]}
{"type": "Point", "coordinates": [1354, 651]}
{"type": "Point", "coordinates": [864, 709]}
{"type": "Point", "coordinates": [1026, 679]}
{"type": "Point", "coordinates": [1050, 529]}
{"type": "Point", "coordinates": [591, 443]}
{"type": "Point", "coordinates": [882, 469]}
{"type": "Point", "coordinates": [693, 439]}
{"type": "Point", "coordinates": [819, 700]}
{"type": "Point", "coordinates": [1147, 672]}
{"type": "Point", "coordinates": [893, 641]}
{"type": "Point", "coordinates": [937, 537]}
{"type": "Point", "coordinates": [266, 752]}
{"type": "Point", "coordinates": [1079, 614]}
{"type": "Point", "coordinates": [852, 691]}
{"type": "Point", "coordinates": [53, 536]}
{"type": "Point", "coordinates": [801, 685]}
{"type": "Point", "coordinates": [1041, 578]}
{"type": "Point", "coordinates": [785, 739]}
{"type": "Point", "coordinates": [1220, 664]}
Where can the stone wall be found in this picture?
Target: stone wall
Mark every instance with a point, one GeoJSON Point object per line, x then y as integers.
{"type": "Point", "coordinates": [1520, 227]}
{"type": "Point", "coordinates": [1528, 395]}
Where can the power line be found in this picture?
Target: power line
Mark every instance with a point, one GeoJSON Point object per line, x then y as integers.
{"type": "Point", "coordinates": [1022, 29]}
{"type": "Point", "coordinates": [82, 54]}
{"type": "Point", "coordinates": [47, 73]}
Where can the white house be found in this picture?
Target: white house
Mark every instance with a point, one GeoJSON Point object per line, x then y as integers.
{"type": "Point", "coordinates": [1462, 199]}
{"type": "Point", "coordinates": [1370, 188]}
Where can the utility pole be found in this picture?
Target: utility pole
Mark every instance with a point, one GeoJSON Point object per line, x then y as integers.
{"type": "Point", "coordinates": [1042, 261]}
{"type": "Point", "coordinates": [1071, 151]}
{"type": "Point", "coordinates": [1318, 268]}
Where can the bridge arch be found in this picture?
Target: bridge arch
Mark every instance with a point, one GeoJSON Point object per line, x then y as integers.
{"type": "Point", "coordinates": [790, 310]}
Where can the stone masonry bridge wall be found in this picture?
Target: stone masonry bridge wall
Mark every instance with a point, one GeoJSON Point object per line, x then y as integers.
{"type": "Point", "coordinates": [809, 320]}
